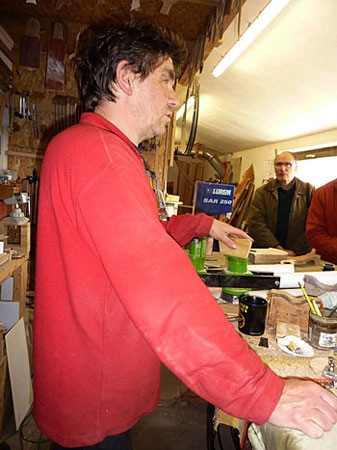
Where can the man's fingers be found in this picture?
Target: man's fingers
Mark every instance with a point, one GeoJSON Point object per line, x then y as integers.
{"type": "Point", "coordinates": [227, 241]}
{"type": "Point", "coordinates": [311, 429]}
{"type": "Point", "coordinates": [305, 406]}
{"type": "Point", "coordinates": [331, 400]}
{"type": "Point", "coordinates": [236, 232]}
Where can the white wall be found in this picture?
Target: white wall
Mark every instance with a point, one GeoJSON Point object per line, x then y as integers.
{"type": "Point", "coordinates": [259, 155]}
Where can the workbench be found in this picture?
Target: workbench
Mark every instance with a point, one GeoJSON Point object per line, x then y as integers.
{"type": "Point", "coordinates": [284, 365]}
{"type": "Point", "coordinates": [16, 268]}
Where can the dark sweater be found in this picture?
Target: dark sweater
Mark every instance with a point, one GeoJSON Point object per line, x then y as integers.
{"type": "Point", "coordinates": [283, 211]}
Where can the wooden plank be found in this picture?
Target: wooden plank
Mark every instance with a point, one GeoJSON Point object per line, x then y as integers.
{"type": "Point", "coordinates": [20, 287]}
{"type": "Point", "coordinates": [266, 256]}
{"type": "Point", "coordinates": [200, 172]}
{"type": "Point", "coordinates": [188, 194]}
{"type": "Point", "coordinates": [241, 251]}
{"type": "Point", "coordinates": [3, 371]}
{"type": "Point", "coordinates": [7, 269]}
{"type": "Point", "coordinates": [182, 178]}
{"type": "Point", "coordinates": [19, 371]}
{"type": "Point", "coordinates": [171, 140]}
{"type": "Point", "coordinates": [245, 206]}
{"type": "Point", "coordinates": [4, 257]}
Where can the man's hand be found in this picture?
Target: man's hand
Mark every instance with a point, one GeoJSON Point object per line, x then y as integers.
{"type": "Point", "coordinates": [223, 232]}
{"type": "Point", "coordinates": [307, 407]}
{"type": "Point", "coordinates": [290, 252]}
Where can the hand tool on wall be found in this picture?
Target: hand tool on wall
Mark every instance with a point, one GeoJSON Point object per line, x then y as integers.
{"type": "Point", "coordinates": [19, 113]}
{"type": "Point", "coordinates": [30, 45]}
{"type": "Point", "coordinates": [56, 58]}
{"type": "Point", "coordinates": [65, 112]}
{"type": "Point", "coordinates": [14, 125]}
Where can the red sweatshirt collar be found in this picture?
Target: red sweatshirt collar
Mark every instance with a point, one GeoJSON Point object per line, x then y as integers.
{"type": "Point", "coordinates": [96, 120]}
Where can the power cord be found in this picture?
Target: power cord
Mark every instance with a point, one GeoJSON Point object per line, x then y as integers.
{"type": "Point", "coordinates": [26, 423]}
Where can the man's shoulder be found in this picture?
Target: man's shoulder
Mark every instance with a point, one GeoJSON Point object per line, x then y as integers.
{"type": "Point", "coordinates": [86, 139]}
{"type": "Point", "coordinates": [303, 186]}
{"type": "Point", "coordinates": [328, 188]}
{"type": "Point", "coordinates": [268, 187]}
{"type": "Point", "coordinates": [332, 185]}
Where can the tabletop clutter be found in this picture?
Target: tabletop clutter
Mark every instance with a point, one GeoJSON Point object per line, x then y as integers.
{"type": "Point", "coordinates": [301, 322]}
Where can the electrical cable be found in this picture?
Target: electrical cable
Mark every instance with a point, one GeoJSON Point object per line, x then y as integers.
{"type": "Point", "coordinates": [23, 438]}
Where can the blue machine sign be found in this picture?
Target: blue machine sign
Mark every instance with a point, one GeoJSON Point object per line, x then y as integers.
{"type": "Point", "coordinates": [213, 198]}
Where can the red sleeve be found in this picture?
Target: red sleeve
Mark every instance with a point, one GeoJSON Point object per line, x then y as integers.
{"type": "Point", "coordinates": [320, 214]}
{"type": "Point", "coordinates": [169, 304]}
{"type": "Point", "coordinates": [187, 226]}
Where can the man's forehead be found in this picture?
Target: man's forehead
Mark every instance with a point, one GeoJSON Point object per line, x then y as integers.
{"type": "Point", "coordinates": [167, 67]}
{"type": "Point", "coordinates": [284, 157]}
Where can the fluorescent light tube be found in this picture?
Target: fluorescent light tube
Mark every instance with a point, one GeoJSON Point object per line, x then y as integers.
{"type": "Point", "coordinates": [266, 16]}
{"type": "Point", "coordinates": [190, 103]}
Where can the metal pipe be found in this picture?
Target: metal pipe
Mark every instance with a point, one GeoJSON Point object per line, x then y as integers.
{"type": "Point", "coordinates": [212, 159]}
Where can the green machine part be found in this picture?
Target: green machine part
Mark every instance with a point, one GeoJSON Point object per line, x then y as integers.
{"type": "Point", "coordinates": [236, 266]}
{"type": "Point", "coordinates": [197, 253]}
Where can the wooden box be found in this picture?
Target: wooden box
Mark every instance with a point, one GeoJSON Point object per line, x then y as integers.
{"type": "Point", "coordinates": [266, 256]}
{"type": "Point", "coordinates": [284, 307]}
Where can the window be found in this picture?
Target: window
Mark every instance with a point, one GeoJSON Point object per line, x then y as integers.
{"type": "Point", "coordinates": [317, 171]}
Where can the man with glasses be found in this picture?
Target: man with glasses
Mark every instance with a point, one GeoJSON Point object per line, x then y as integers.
{"type": "Point", "coordinates": [279, 209]}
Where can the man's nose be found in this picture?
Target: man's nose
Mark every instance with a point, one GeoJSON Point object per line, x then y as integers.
{"type": "Point", "coordinates": [173, 100]}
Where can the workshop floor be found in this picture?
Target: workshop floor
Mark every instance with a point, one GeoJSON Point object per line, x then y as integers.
{"type": "Point", "coordinates": [179, 423]}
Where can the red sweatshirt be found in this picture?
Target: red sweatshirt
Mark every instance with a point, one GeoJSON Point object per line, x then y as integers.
{"type": "Point", "coordinates": [321, 227]}
{"type": "Point", "coordinates": [115, 294]}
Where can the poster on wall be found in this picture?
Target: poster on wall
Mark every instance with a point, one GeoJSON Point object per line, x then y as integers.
{"type": "Point", "coordinates": [268, 170]}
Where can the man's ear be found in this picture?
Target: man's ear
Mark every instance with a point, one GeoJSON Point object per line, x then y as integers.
{"type": "Point", "coordinates": [125, 77]}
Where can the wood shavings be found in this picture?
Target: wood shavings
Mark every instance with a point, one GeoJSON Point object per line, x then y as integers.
{"type": "Point", "coordinates": [318, 364]}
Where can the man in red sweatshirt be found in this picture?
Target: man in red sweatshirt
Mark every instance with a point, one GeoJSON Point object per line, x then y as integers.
{"type": "Point", "coordinates": [115, 293]}
{"type": "Point", "coordinates": [321, 227]}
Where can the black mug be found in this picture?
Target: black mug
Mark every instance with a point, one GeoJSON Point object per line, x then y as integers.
{"type": "Point", "coordinates": [252, 315]}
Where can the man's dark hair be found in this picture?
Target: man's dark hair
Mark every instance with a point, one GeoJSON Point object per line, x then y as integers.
{"type": "Point", "coordinates": [143, 46]}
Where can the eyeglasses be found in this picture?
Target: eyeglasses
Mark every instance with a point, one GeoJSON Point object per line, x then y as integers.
{"type": "Point", "coordinates": [286, 164]}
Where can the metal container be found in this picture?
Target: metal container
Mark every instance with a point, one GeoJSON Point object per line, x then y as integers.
{"type": "Point", "coordinates": [322, 332]}
{"type": "Point", "coordinates": [252, 317]}
{"type": "Point", "coordinates": [195, 247]}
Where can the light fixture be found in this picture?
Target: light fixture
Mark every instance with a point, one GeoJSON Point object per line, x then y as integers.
{"type": "Point", "coordinates": [190, 103]}
{"type": "Point", "coordinates": [266, 16]}
{"type": "Point", "coordinates": [33, 2]}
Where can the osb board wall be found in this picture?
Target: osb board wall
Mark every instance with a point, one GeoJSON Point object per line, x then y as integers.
{"type": "Point", "coordinates": [200, 23]}
{"type": "Point", "coordinates": [29, 140]}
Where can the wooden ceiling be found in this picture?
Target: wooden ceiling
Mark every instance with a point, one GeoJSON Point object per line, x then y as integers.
{"type": "Point", "coordinates": [199, 22]}
{"type": "Point", "coordinates": [188, 17]}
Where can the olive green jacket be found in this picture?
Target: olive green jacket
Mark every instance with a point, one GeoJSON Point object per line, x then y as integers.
{"type": "Point", "coordinates": [263, 216]}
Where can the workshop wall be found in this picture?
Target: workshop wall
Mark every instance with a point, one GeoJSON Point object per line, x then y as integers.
{"type": "Point", "coordinates": [47, 110]}
{"type": "Point", "coordinates": [262, 157]}
{"type": "Point", "coordinates": [51, 101]}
